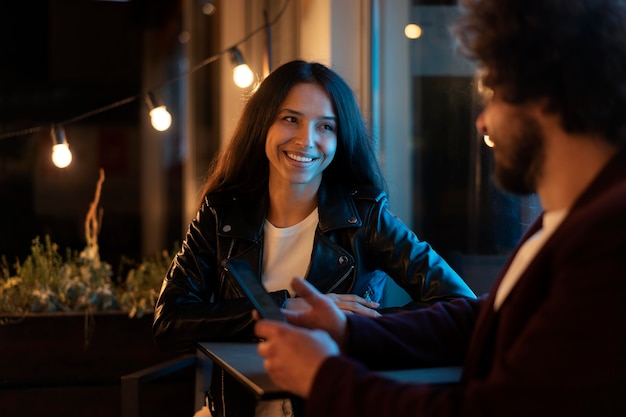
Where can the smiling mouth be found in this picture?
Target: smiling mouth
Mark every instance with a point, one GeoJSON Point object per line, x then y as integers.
{"type": "Point", "coordinates": [299, 158]}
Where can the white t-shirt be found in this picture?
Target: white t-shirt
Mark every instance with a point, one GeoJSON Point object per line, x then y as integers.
{"type": "Point", "coordinates": [526, 253]}
{"type": "Point", "coordinates": [287, 252]}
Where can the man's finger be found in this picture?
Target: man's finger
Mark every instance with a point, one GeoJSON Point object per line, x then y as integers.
{"type": "Point", "coordinates": [305, 290]}
{"type": "Point", "coordinates": [268, 328]}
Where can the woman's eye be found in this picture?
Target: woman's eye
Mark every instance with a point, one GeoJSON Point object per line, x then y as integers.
{"type": "Point", "coordinates": [329, 128]}
{"type": "Point", "coordinates": [290, 119]}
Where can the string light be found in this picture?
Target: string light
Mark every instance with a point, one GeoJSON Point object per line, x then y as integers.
{"type": "Point", "coordinates": [412, 31]}
{"type": "Point", "coordinates": [160, 118]}
{"type": "Point", "coordinates": [61, 154]}
{"type": "Point", "coordinates": [61, 147]}
{"type": "Point", "coordinates": [242, 74]}
{"type": "Point", "coordinates": [207, 7]}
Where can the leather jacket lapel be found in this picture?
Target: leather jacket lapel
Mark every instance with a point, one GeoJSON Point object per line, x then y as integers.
{"type": "Point", "coordinates": [336, 273]}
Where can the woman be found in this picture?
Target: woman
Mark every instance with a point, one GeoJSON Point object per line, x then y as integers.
{"type": "Point", "coordinates": [297, 191]}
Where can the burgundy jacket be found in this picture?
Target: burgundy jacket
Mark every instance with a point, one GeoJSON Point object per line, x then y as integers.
{"type": "Point", "coordinates": [556, 347]}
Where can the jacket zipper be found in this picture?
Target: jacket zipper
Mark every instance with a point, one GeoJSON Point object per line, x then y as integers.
{"type": "Point", "coordinates": [223, 398]}
{"type": "Point", "coordinates": [230, 252]}
{"type": "Point", "coordinates": [342, 279]}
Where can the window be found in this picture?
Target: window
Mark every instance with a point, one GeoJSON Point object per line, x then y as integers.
{"type": "Point", "coordinates": [456, 206]}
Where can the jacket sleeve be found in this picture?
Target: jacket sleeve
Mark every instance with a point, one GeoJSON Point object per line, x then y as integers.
{"type": "Point", "coordinates": [199, 301]}
{"type": "Point", "coordinates": [346, 388]}
{"type": "Point", "coordinates": [438, 336]}
{"type": "Point", "coordinates": [412, 263]}
{"type": "Point", "coordinates": [435, 336]}
{"type": "Point", "coordinates": [583, 379]}
{"type": "Point", "coordinates": [556, 347]}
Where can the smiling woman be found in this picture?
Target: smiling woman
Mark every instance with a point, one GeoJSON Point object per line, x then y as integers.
{"type": "Point", "coordinates": [300, 145]}
{"type": "Point", "coordinates": [297, 191]}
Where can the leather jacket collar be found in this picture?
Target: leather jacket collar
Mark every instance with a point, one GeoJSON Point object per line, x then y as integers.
{"type": "Point", "coordinates": [336, 210]}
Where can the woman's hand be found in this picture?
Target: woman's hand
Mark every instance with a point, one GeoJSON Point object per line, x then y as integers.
{"type": "Point", "coordinates": [348, 303]}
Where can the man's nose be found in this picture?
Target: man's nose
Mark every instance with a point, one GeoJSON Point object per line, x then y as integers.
{"type": "Point", "coordinates": [481, 127]}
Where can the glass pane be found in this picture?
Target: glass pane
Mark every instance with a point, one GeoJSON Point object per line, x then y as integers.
{"type": "Point", "coordinates": [456, 206]}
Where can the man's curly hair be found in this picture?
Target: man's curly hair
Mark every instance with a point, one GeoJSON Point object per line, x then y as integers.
{"type": "Point", "coordinates": [572, 52]}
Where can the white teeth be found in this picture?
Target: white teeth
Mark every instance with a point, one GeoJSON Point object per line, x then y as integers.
{"type": "Point", "coordinates": [299, 158]}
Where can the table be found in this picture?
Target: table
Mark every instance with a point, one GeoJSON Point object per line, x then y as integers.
{"type": "Point", "coordinates": [243, 362]}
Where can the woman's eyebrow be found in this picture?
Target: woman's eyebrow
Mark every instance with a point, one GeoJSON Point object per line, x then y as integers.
{"type": "Point", "coordinates": [287, 110]}
{"type": "Point", "coordinates": [295, 112]}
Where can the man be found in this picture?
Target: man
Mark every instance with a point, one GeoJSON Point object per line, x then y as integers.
{"type": "Point", "coordinates": [550, 338]}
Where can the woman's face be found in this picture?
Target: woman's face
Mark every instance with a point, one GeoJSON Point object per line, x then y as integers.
{"type": "Point", "coordinates": [302, 140]}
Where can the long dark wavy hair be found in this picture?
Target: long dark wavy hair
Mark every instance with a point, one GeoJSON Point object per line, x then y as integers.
{"type": "Point", "coordinates": [572, 52]}
{"type": "Point", "coordinates": [242, 165]}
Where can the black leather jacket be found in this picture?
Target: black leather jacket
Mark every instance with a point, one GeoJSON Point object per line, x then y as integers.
{"type": "Point", "coordinates": [358, 244]}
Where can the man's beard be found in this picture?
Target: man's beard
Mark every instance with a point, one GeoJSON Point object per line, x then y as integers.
{"type": "Point", "coordinates": [524, 160]}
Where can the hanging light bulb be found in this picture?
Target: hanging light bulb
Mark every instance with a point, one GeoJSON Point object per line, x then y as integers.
{"type": "Point", "coordinates": [160, 118]}
{"type": "Point", "coordinates": [207, 7]}
{"type": "Point", "coordinates": [61, 154]}
{"type": "Point", "coordinates": [412, 31]}
{"type": "Point", "coordinates": [242, 74]}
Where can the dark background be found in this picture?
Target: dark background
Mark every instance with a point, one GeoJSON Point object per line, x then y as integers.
{"type": "Point", "coordinates": [60, 60]}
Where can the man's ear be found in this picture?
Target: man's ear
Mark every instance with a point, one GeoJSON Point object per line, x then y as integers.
{"type": "Point", "coordinates": [544, 106]}
{"type": "Point", "coordinates": [547, 116]}
{"type": "Point", "coordinates": [541, 108]}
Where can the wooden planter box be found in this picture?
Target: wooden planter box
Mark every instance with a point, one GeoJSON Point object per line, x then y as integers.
{"type": "Point", "coordinates": [62, 364]}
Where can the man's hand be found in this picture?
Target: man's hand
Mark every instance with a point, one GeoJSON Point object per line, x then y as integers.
{"type": "Point", "coordinates": [293, 355]}
{"type": "Point", "coordinates": [322, 311]}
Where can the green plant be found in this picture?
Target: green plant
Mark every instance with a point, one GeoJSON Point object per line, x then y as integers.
{"type": "Point", "coordinates": [48, 282]}
{"type": "Point", "coordinates": [139, 291]}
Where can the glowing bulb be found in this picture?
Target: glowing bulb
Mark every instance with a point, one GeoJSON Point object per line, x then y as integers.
{"type": "Point", "coordinates": [243, 76]}
{"type": "Point", "coordinates": [184, 36]}
{"type": "Point", "coordinates": [61, 155]}
{"type": "Point", "coordinates": [208, 8]}
{"type": "Point", "coordinates": [412, 31]}
{"type": "Point", "coordinates": [488, 141]}
{"type": "Point", "coordinates": [160, 118]}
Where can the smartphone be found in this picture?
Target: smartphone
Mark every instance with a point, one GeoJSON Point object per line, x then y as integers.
{"type": "Point", "coordinates": [254, 290]}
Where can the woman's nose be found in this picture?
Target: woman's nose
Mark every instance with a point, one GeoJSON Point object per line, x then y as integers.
{"type": "Point", "coordinates": [306, 136]}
